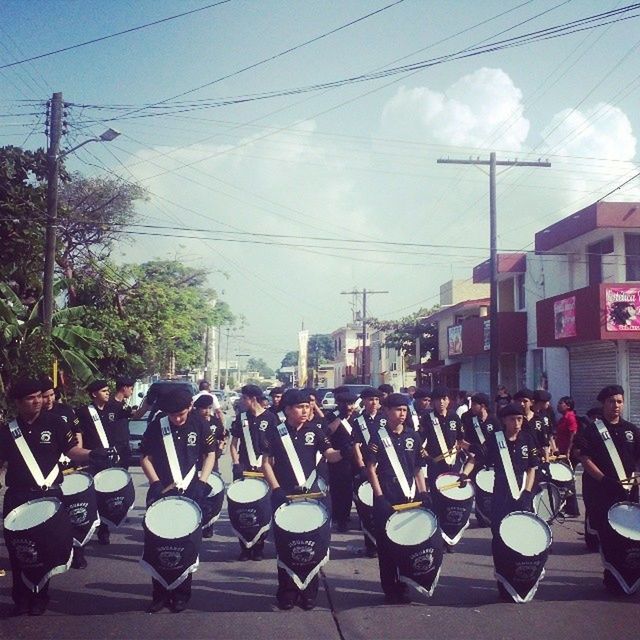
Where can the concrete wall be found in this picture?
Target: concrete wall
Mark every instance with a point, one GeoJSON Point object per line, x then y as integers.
{"type": "Point", "coordinates": [456, 291]}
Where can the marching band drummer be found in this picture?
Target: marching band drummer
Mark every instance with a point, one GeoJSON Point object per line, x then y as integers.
{"type": "Point", "coordinates": [245, 448]}
{"type": "Point", "coordinates": [478, 425]}
{"type": "Point", "coordinates": [609, 450]}
{"type": "Point", "coordinates": [394, 470]}
{"type": "Point", "coordinates": [289, 466]}
{"type": "Point", "coordinates": [174, 442]}
{"type": "Point", "coordinates": [31, 446]}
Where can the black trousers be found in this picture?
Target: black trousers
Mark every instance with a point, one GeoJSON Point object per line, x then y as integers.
{"type": "Point", "coordinates": [13, 498]}
{"type": "Point", "coordinates": [182, 591]}
{"type": "Point", "coordinates": [287, 587]}
{"type": "Point", "coordinates": [258, 546]}
{"type": "Point", "coordinates": [389, 574]}
{"type": "Point", "coordinates": [341, 490]}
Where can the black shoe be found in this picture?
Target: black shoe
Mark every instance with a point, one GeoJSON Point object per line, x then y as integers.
{"type": "Point", "coordinates": [78, 561]}
{"type": "Point", "coordinates": [257, 555]}
{"type": "Point", "coordinates": [245, 554]}
{"type": "Point", "coordinates": [156, 605]}
{"type": "Point", "coordinates": [38, 606]}
{"type": "Point", "coordinates": [207, 532]}
{"type": "Point", "coordinates": [21, 608]}
{"type": "Point", "coordinates": [307, 603]}
{"type": "Point", "coordinates": [391, 598]}
{"type": "Point", "coordinates": [286, 602]}
{"type": "Point", "coordinates": [178, 605]}
{"type": "Point", "coordinates": [403, 598]}
{"type": "Point", "coordinates": [103, 536]}
{"type": "Point", "coordinates": [371, 553]}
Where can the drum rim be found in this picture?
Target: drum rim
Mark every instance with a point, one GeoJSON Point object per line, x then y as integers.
{"type": "Point", "coordinates": [560, 463]}
{"type": "Point", "coordinates": [536, 518]}
{"type": "Point", "coordinates": [183, 499]}
{"type": "Point", "coordinates": [624, 503]}
{"type": "Point", "coordinates": [250, 481]}
{"type": "Point", "coordinates": [469, 487]}
{"type": "Point", "coordinates": [84, 474]}
{"type": "Point", "coordinates": [306, 501]}
{"type": "Point", "coordinates": [31, 502]}
{"type": "Point", "coordinates": [120, 470]}
{"type": "Point", "coordinates": [218, 477]}
{"type": "Point", "coordinates": [360, 486]}
{"type": "Point", "coordinates": [431, 514]}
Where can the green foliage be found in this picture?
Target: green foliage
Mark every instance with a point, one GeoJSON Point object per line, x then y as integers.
{"type": "Point", "coordinates": [259, 365]}
{"type": "Point", "coordinates": [321, 349]}
{"type": "Point", "coordinates": [290, 359]}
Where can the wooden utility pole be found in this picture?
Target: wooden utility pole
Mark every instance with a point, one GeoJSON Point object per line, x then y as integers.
{"type": "Point", "coordinates": [53, 151]}
{"type": "Point", "coordinates": [494, 356]}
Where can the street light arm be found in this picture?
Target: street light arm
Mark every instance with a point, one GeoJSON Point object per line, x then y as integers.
{"type": "Point", "coordinates": [68, 151]}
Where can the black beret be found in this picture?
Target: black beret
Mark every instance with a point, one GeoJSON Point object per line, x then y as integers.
{"type": "Point", "coordinates": [24, 387]}
{"type": "Point", "coordinates": [385, 388]}
{"type": "Point", "coordinates": [346, 396]}
{"type": "Point", "coordinates": [523, 393]}
{"type": "Point", "coordinates": [440, 392]}
{"type": "Point", "coordinates": [370, 392]}
{"type": "Point", "coordinates": [275, 391]}
{"type": "Point", "coordinates": [175, 400]}
{"type": "Point", "coordinates": [96, 385]}
{"type": "Point", "coordinates": [541, 395]}
{"type": "Point", "coordinates": [203, 401]}
{"type": "Point", "coordinates": [481, 398]}
{"type": "Point", "coordinates": [422, 392]}
{"type": "Point", "coordinates": [46, 383]}
{"type": "Point", "coordinates": [513, 409]}
{"type": "Point", "coordinates": [292, 397]}
{"type": "Point", "coordinates": [252, 391]}
{"type": "Point", "coordinates": [124, 381]}
{"type": "Point", "coordinates": [396, 400]}
{"type": "Point", "coordinates": [611, 390]}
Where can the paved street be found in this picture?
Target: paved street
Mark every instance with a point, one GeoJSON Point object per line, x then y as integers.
{"type": "Point", "coordinates": [236, 600]}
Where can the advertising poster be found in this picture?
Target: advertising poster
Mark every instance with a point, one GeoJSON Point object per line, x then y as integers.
{"type": "Point", "coordinates": [622, 304]}
{"type": "Point", "coordinates": [454, 335]}
{"type": "Point", "coordinates": [564, 316]}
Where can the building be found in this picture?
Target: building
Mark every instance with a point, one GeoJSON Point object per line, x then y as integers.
{"type": "Point", "coordinates": [387, 365]}
{"type": "Point", "coordinates": [345, 341]}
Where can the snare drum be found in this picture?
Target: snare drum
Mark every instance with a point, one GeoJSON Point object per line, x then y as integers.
{"type": "Point", "coordinates": [548, 501]}
{"type": "Point", "coordinates": [520, 551]}
{"type": "Point", "coordinates": [249, 509]}
{"type": "Point", "coordinates": [302, 534]}
{"type": "Point", "coordinates": [416, 543]}
{"type": "Point", "coordinates": [115, 495]}
{"type": "Point", "coordinates": [620, 545]}
{"type": "Point", "coordinates": [484, 480]}
{"type": "Point", "coordinates": [172, 539]}
{"type": "Point", "coordinates": [213, 502]}
{"type": "Point", "coordinates": [561, 475]}
{"type": "Point", "coordinates": [79, 499]}
{"type": "Point", "coordinates": [453, 506]}
{"type": "Point", "coordinates": [364, 507]}
{"type": "Point", "coordinates": [39, 538]}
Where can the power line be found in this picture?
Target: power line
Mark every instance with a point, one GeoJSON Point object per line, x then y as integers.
{"type": "Point", "coordinates": [113, 35]}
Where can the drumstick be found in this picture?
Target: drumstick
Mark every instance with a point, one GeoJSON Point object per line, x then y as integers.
{"type": "Point", "coordinates": [66, 472]}
{"type": "Point", "coordinates": [406, 505]}
{"type": "Point", "coordinates": [445, 455]}
{"type": "Point", "coordinates": [302, 496]}
{"type": "Point", "coordinates": [253, 474]}
{"type": "Point", "coordinates": [452, 485]}
{"type": "Point", "coordinates": [561, 457]}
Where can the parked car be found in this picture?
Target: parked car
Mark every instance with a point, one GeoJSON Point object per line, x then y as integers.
{"type": "Point", "coordinates": [328, 402]}
{"type": "Point", "coordinates": [161, 387]}
{"type": "Point", "coordinates": [136, 431]}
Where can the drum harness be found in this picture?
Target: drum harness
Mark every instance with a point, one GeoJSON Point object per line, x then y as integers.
{"type": "Point", "coordinates": [392, 455]}
{"type": "Point", "coordinates": [104, 441]}
{"type": "Point", "coordinates": [478, 430]}
{"type": "Point", "coordinates": [294, 460]}
{"type": "Point", "coordinates": [611, 450]}
{"type": "Point", "coordinates": [254, 461]}
{"type": "Point", "coordinates": [414, 417]}
{"type": "Point", "coordinates": [449, 457]}
{"type": "Point", "coordinates": [507, 464]}
{"type": "Point", "coordinates": [30, 461]}
{"type": "Point", "coordinates": [170, 449]}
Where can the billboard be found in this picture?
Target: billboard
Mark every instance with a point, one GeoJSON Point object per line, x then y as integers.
{"type": "Point", "coordinates": [303, 343]}
{"type": "Point", "coordinates": [454, 339]}
{"type": "Point", "coordinates": [622, 305]}
{"type": "Point", "coordinates": [564, 318]}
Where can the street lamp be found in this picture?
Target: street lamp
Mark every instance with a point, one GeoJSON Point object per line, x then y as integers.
{"type": "Point", "coordinates": [53, 170]}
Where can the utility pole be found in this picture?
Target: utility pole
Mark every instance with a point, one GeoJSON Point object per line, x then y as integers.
{"type": "Point", "coordinates": [494, 356]}
{"type": "Point", "coordinates": [226, 361]}
{"type": "Point", "coordinates": [219, 330]}
{"type": "Point", "coordinates": [364, 293]}
{"type": "Point", "coordinates": [53, 151]}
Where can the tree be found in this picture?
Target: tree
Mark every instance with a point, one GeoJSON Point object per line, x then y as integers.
{"type": "Point", "coordinates": [259, 365]}
{"type": "Point", "coordinates": [290, 359]}
{"type": "Point", "coordinates": [321, 348]}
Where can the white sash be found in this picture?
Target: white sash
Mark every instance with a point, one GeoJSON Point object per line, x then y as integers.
{"type": "Point", "coordinates": [29, 459]}
{"type": "Point", "coordinates": [449, 458]}
{"type": "Point", "coordinates": [292, 454]}
{"type": "Point", "coordinates": [345, 423]}
{"type": "Point", "coordinates": [281, 416]}
{"type": "Point", "coordinates": [364, 429]}
{"type": "Point", "coordinates": [392, 454]}
{"type": "Point", "coordinates": [611, 449]}
{"type": "Point", "coordinates": [248, 442]}
{"type": "Point", "coordinates": [170, 449]}
{"type": "Point", "coordinates": [414, 417]}
{"type": "Point", "coordinates": [99, 427]}
{"type": "Point", "coordinates": [478, 429]}
{"type": "Point", "coordinates": [507, 464]}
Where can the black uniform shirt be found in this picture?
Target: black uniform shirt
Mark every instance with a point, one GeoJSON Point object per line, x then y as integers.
{"type": "Point", "coordinates": [523, 453]}
{"type": "Point", "coordinates": [257, 426]}
{"type": "Point", "coordinates": [116, 430]}
{"type": "Point", "coordinates": [626, 437]}
{"type": "Point", "coordinates": [340, 437]}
{"type": "Point", "coordinates": [487, 427]}
{"type": "Point", "coordinates": [452, 430]}
{"type": "Point", "coordinates": [407, 446]}
{"type": "Point", "coordinates": [307, 441]}
{"type": "Point", "coordinates": [540, 429]}
{"type": "Point", "coordinates": [192, 440]}
{"type": "Point", "coordinates": [68, 415]}
{"type": "Point", "coordinates": [118, 408]}
{"type": "Point", "coordinates": [47, 436]}
{"type": "Point", "coordinates": [373, 423]}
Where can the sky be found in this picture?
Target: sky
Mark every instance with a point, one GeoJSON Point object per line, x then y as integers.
{"type": "Point", "coordinates": [239, 180]}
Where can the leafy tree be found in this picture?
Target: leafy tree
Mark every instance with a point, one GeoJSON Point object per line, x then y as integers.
{"type": "Point", "coordinates": [259, 365]}
{"type": "Point", "coordinates": [321, 349]}
{"type": "Point", "coordinates": [290, 359]}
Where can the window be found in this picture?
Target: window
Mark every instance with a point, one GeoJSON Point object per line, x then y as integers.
{"type": "Point", "coordinates": [632, 253]}
{"type": "Point", "coordinates": [520, 291]}
{"type": "Point", "coordinates": [595, 252]}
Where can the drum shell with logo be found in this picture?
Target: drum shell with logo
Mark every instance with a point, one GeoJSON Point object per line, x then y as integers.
{"type": "Point", "coordinates": [172, 540]}
{"type": "Point", "coordinates": [39, 538]}
{"type": "Point", "coordinates": [416, 544]}
{"type": "Point", "coordinates": [364, 507]}
{"type": "Point", "coordinates": [520, 551]}
{"type": "Point", "coordinates": [212, 505]}
{"type": "Point", "coordinates": [249, 507]}
{"type": "Point", "coordinates": [115, 495]}
{"type": "Point", "coordinates": [453, 506]}
{"type": "Point", "coordinates": [80, 501]}
{"type": "Point", "coordinates": [302, 533]}
{"type": "Point", "coordinates": [620, 545]}
{"type": "Point", "coordinates": [484, 481]}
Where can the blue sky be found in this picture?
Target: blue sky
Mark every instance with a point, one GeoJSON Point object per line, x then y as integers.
{"type": "Point", "coordinates": [352, 162]}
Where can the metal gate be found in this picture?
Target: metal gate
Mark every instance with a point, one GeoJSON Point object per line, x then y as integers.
{"type": "Point", "coordinates": [633, 392]}
{"type": "Point", "coordinates": [592, 366]}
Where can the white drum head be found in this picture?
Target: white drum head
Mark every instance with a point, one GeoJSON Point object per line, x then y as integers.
{"type": "Point", "coordinates": [247, 490]}
{"type": "Point", "coordinates": [111, 480]}
{"type": "Point", "coordinates": [560, 472]}
{"type": "Point", "coordinates": [624, 519]}
{"type": "Point", "coordinates": [75, 483]}
{"type": "Point", "coordinates": [454, 493]}
{"type": "Point", "coordinates": [216, 483]}
{"type": "Point", "coordinates": [365, 494]}
{"type": "Point", "coordinates": [525, 533]}
{"type": "Point", "coordinates": [173, 517]}
{"type": "Point", "coordinates": [31, 514]}
{"type": "Point", "coordinates": [411, 527]}
{"type": "Point", "coordinates": [485, 479]}
{"type": "Point", "coordinates": [300, 517]}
